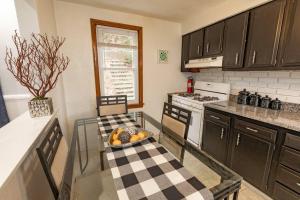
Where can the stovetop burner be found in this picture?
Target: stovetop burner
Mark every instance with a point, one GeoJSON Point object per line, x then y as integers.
{"type": "Point", "coordinates": [205, 98]}
{"type": "Point", "coordinates": [186, 94]}
{"type": "Point", "coordinates": [198, 97]}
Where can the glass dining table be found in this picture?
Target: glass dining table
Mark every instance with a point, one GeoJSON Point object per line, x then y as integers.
{"type": "Point", "coordinates": [88, 174]}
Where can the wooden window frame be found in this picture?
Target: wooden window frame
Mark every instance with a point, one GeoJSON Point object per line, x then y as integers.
{"type": "Point", "coordinates": [94, 24]}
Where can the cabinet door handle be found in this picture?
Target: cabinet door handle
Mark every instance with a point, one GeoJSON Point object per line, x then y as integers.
{"type": "Point", "coordinates": [298, 184]}
{"type": "Point", "coordinates": [253, 57]}
{"type": "Point", "coordinates": [251, 129]}
{"type": "Point", "coordinates": [212, 116]}
{"type": "Point", "coordinates": [222, 134]}
{"type": "Point", "coordinates": [238, 140]}
{"type": "Point", "coordinates": [198, 49]}
{"type": "Point", "coordinates": [207, 47]}
{"type": "Point", "coordinates": [236, 58]}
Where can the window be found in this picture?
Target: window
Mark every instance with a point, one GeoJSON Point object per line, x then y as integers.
{"type": "Point", "coordinates": [117, 50]}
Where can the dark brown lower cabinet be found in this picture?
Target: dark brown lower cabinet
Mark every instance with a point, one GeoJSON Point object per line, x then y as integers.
{"type": "Point", "coordinates": [215, 137]}
{"type": "Point", "coordinates": [266, 156]}
{"type": "Point", "coordinates": [283, 193]}
{"type": "Point", "coordinates": [251, 158]}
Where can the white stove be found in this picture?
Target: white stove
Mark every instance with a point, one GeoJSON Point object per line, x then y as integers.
{"type": "Point", "coordinates": [204, 92]}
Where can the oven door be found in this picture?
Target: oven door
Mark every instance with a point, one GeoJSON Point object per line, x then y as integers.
{"type": "Point", "coordinates": [194, 136]}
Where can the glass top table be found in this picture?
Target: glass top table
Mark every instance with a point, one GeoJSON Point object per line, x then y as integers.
{"type": "Point", "coordinates": [87, 174]}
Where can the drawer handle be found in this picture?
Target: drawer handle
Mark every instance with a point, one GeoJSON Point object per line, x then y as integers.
{"type": "Point", "coordinates": [238, 140]}
{"type": "Point", "coordinates": [212, 116]}
{"type": "Point", "coordinates": [251, 129]}
{"type": "Point", "coordinates": [236, 58]}
{"type": "Point", "coordinates": [222, 134]}
{"type": "Point", "coordinates": [207, 47]}
{"type": "Point", "coordinates": [254, 57]}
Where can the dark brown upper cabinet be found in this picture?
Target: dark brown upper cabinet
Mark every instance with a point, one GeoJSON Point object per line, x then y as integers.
{"type": "Point", "coordinates": [264, 33]}
{"type": "Point", "coordinates": [196, 44]}
{"type": "Point", "coordinates": [289, 55]}
{"type": "Point", "coordinates": [213, 39]}
{"type": "Point", "coordinates": [235, 33]}
{"type": "Point", "coordinates": [185, 52]}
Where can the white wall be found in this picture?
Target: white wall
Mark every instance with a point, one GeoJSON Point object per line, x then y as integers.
{"type": "Point", "coordinates": [221, 11]}
{"type": "Point", "coordinates": [73, 22]}
{"type": "Point", "coordinates": [8, 24]}
{"type": "Point", "coordinates": [17, 15]}
{"type": "Point", "coordinates": [27, 16]}
{"type": "Point", "coordinates": [47, 24]}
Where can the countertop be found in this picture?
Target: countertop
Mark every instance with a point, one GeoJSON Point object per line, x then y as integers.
{"type": "Point", "coordinates": [17, 138]}
{"type": "Point", "coordinates": [288, 120]}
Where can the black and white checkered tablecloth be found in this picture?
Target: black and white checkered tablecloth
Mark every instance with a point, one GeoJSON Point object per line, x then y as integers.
{"type": "Point", "coordinates": [147, 170]}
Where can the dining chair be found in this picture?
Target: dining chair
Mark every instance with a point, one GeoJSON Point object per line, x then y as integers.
{"type": "Point", "coordinates": [176, 119]}
{"type": "Point", "coordinates": [175, 126]}
{"type": "Point", "coordinates": [53, 152]}
{"type": "Point", "coordinates": [111, 105]}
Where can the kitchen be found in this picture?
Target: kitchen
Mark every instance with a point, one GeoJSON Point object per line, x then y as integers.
{"type": "Point", "coordinates": [228, 70]}
{"type": "Point", "coordinates": [251, 131]}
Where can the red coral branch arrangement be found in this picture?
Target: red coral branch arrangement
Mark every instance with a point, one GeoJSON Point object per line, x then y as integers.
{"type": "Point", "coordinates": [37, 63]}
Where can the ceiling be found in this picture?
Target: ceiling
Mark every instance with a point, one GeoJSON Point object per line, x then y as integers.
{"type": "Point", "coordinates": [173, 10]}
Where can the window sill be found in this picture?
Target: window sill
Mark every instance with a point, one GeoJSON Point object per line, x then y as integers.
{"type": "Point", "coordinates": [137, 105]}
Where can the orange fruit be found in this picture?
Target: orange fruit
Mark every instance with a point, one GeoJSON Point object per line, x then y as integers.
{"type": "Point", "coordinates": [141, 135]}
{"type": "Point", "coordinates": [116, 142]}
{"type": "Point", "coordinates": [134, 138]}
{"type": "Point", "coordinates": [115, 136]}
{"type": "Point", "coordinates": [120, 130]}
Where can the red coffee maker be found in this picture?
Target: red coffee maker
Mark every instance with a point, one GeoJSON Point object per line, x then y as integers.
{"type": "Point", "coordinates": [190, 85]}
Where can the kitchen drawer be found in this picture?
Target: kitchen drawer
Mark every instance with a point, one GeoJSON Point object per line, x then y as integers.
{"type": "Point", "coordinates": [290, 158]}
{"type": "Point", "coordinates": [216, 117]}
{"type": "Point", "coordinates": [256, 130]}
{"type": "Point", "coordinates": [292, 141]}
{"type": "Point", "coordinates": [289, 178]}
{"type": "Point", "coordinates": [283, 193]}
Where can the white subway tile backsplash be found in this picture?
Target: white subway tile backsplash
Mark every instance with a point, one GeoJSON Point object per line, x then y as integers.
{"type": "Point", "coordinates": [252, 89]}
{"type": "Point", "coordinates": [268, 80]}
{"type": "Point", "coordinates": [274, 96]}
{"type": "Point", "coordinates": [250, 79]}
{"type": "Point", "coordinates": [258, 84]}
{"type": "Point", "coordinates": [284, 85]}
{"type": "Point", "coordinates": [239, 84]}
{"type": "Point", "coordinates": [229, 74]}
{"type": "Point", "coordinates": [266, 90]}
{"type": "Point", "coordinates": [280, 74]}
{"type": "Point", "coordinates": [288, 92]}
{"type": "Point", "coordinates": [295, 74]}
{"type": "Point", "coordinates": [240, 74]}
{"type": "Point", "coordinates": [295, 86]}
{"type": "Point", "coordinates": [258, 74]}
{"type": "Point", "coordinates": [279, 85]}
{"type": "Point", "coordinates": [234, 91]}
{"type": "Point", "coordinates": [292, 99]}
{"type": "Point", "coordinates": [235, 78]}
{"type": "Point", "coordinates": [289, 80]}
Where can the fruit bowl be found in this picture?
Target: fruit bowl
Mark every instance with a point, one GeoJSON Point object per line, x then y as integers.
{"type": "Point", "coordinates": [127, 136]}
